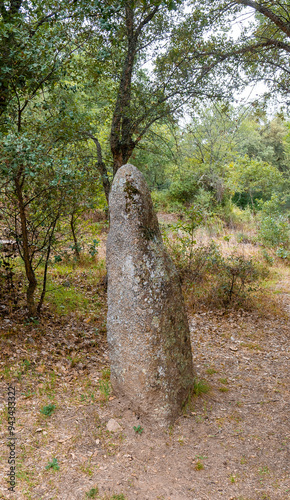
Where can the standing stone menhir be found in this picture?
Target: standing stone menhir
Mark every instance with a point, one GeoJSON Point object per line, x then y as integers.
{"type": "Point", "coordinates": [148, 333]}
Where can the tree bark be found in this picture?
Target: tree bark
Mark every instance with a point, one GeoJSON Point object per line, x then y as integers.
{"type": "Point", "coordinates": [40, 303]}
{"type": "Point", "coordinates": [122, 129]}
{"type": "Point", "coordinates": [102, 168]}
{"type": "Point", "coordinates": [263, 9]}
{"type": "Point", "coordinates": [76, 245]}
{"type": "Point", "coordinates": [32, 282]}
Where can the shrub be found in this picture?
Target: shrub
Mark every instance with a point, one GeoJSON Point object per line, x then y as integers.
{"type": "Point", "coordinates": [183, 190]}
{"type": "Point", "coordinates": [237, 277]}
{"type": "Point", "coordinates": [268, 258]}
{"type": "Point", "coordinates": [244, 238]}
{"type": "Point", "coordinates": [274, 231]}
{"type": "Point", "coordinates": [160, 199]}
{"type": "Point", "coordinates": [283, 253]}
{"type": "Point", "coordinates": [219, 280]}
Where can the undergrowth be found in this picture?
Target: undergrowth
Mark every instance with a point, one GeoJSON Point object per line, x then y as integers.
{"type": "Point", "coordinates": [209, 276]}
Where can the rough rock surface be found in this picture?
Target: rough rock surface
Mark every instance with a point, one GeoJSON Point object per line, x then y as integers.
{"type": "Point", "coordinates": [148, 333]}
{"type": "Point", "coordinates": [113, 426]}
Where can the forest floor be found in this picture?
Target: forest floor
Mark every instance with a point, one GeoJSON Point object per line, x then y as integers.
{"type": "Point", "coordinates": [231, 443]}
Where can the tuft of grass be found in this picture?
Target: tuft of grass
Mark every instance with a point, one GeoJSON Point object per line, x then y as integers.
{"type": "Point", "coordinates": [264, 470]}
{"type": "Point", "coordinates": [199, 465]}
{"type": "Point", "coordinates": [86, 470]}
{"type": "Point", "coordinates": [251, 345]}
{"type": "Point", "coordinates": [106, 373]}
{"type": "Point", "coordinates": [211, 371]}
{"type": "Point", "coordinates": [200, 387]}
{"type": "Point", "coordinates": [93, 492]}
{"type": "Point", "coordinates": [105, 390]}
{"type": "Point", "coordinates": [181, 440]}
{"type": "Point", "coordinates": [223, 389]}
{"type": "Point", "coordinates": [105, 385]}
{"type": "Point", "coordinates": [52, 465]}
{"type": "Point", "coordinates": [223, 381]}
{"type": "Point", "coordinates": [138, 429]}
{"type": "Point", "coordinates": [48, 410]}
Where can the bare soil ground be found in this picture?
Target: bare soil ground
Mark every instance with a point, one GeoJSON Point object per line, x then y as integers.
{"type": "Point", "coordinates": [231, 443]}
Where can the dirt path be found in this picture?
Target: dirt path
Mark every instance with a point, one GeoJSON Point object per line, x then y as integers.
{"type": "Point", "coordinates": [233, 443]}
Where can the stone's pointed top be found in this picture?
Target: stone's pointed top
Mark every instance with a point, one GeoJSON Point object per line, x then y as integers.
{"type": "Point", "coordinates": [130, 201]}
{"type": "Point", "coordinates": [128, 168]}
{"type": "Point", "coordinates": [148, 334]}
{"type": "Point", "coordinates": [129, 173]}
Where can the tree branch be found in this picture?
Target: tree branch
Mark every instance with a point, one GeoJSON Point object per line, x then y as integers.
{"type": "Point", "coordinates": [285, 27]}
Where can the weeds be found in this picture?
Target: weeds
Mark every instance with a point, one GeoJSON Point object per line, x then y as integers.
{"type": "Point", "coordinates": [211, 371]}
{"type": "Point", "coordinates": [105, 385]}
{"type": "Point", "coordinates": [52, 465]}
{"type": "Point", "coordinates": [200, 387]}
{"type": "Point", "coordinates": [48, 410]}
{"type": "Point", "coordinates": [93, 493]}
{"type": "Point", "coordinates": [222, 281]}
{"type": "Point", "coordinates": [105, 390]}
{"type": "Point", "coordinates": [138, 429]}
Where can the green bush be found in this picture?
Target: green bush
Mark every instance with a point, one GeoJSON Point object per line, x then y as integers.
{"type": "Point", "coordinates": [184, 189]}
{"type": "Point", "coordinates": [160, 199]}
{"type": "Point", "coordinates": [283, 253]}
{"type": "Point", "coordinates": [274, 231]}
{"type": "Point", "coordinates": [274, 228]}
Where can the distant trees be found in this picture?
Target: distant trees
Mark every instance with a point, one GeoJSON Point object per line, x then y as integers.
{"type": "Point", "coordinates": [231, 152]}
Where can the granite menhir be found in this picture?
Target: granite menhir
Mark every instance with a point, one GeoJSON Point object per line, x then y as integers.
{"type": "Point", "coordinates": [148, 333]}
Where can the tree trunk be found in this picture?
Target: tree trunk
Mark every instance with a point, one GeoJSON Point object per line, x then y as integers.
{"type": "Point", "coordinates": [121, 132]}
{"type": "Point", "coordinates": [122, 128]}
{"type": "Point", "coordinates": [76, 245]}
{"type": "Point", "coordinates": [40, 303]}
{"type": "Point", "coordinates": [105, 179]}
{"type": "Point", "coordinates": [102, 168]}
{"type": "Point", "coordinates": [32, 282]}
